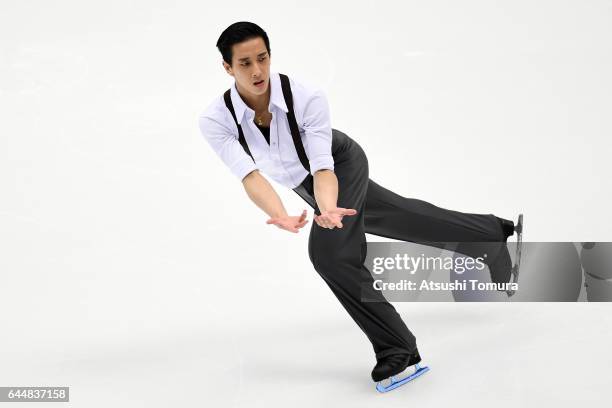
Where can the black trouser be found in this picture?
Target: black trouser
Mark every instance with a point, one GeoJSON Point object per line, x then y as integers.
{"type": "Point", "coordinates": [338, 256]}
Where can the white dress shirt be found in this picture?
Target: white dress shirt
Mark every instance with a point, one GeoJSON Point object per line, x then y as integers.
{"type": "Point", "coordinates": [278, 160]}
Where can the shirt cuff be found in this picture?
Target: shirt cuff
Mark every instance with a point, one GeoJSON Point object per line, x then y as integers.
{"type": "Point", "coordinates": [243, 168]}
{"type": "Point", "coordinates": [321, 162]}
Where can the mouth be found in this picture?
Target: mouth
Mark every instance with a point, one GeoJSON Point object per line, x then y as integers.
{"type": "Point", "coordinates": [259, 84]}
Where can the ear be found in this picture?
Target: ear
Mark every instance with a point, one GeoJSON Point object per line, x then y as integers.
{"type": "Point", "coordinates": [227, 68]}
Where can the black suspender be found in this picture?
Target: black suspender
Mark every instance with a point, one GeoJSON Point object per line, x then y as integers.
{"type": "Point", "coordinates": [241, 139]}
{"type": "Point", "coordinates": [295, 130]}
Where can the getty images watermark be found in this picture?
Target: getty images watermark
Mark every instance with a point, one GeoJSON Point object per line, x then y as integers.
{"type": "Point", "coordinates": [487, 272]}
{"type": "Point", "coordinates": [412, 265]}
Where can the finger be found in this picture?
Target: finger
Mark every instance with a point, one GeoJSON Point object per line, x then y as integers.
{"type": "Point", "coordinates": [303, 215]}
{"type": "Point", "coordinates": [333, 222]}
{"type": "Point", "coordinates": [348, 211]}
{"type": "Point", "coordinates": [324, 222]}
{"type": "Point", "coordinates": [289, 228]}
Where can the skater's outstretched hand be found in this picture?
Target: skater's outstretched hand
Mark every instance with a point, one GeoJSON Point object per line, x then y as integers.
{"type": "Point", "coordinates": [333, 218]}
{"type": "Point", "coordinates": [289, 222]}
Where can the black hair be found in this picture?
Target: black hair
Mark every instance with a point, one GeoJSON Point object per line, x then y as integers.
{"type": "Point", "coordinates": [237, 33]}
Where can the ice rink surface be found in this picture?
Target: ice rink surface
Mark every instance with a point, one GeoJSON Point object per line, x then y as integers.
{"type": "Point", "coordinates": [304, 355]}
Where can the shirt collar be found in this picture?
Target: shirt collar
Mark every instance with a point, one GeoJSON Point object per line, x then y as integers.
{"type": "Point", "coordinates": [276, 98]}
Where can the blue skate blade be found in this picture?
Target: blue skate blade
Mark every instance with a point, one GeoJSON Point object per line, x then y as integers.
{"type": "Point", "coordinates": [394, 384]}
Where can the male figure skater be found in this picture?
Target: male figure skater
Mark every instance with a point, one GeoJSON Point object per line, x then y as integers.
{"type": "Point", "coordinates": [267, 122]}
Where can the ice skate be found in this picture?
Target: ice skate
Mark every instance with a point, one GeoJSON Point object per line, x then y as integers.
{"type": "Point", "coordinates": [517, 259]}
{"type": "Point", "coordinates": [396, 370]}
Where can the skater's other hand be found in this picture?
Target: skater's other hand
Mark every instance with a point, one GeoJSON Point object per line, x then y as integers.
{"type": "Point", "coordinates": [289, 222]}
{"type": "Point", "coordinates": [333, 218]}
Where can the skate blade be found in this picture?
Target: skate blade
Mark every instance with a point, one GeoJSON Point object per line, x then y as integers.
{"type": "Point", "coordinates": [519, 242]}
{"type": "Point", "coordinates": [517, 258]}
{"type": "Point", "coordinates": [393, 382]}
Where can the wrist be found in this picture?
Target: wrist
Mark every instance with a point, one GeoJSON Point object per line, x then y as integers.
{"type": "Point", "coordinates": [279, 214]}
{"type": "Point", "coordinates": [326, 208]}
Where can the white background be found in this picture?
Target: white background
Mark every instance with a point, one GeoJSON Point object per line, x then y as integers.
{"type": "Point", "coordinates": [135, 270]}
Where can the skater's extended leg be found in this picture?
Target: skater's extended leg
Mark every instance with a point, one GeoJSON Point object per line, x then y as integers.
{"type": "Point", "coordinates": [408, 219]}
{"type": "Point", "coordinates": [391, 215]}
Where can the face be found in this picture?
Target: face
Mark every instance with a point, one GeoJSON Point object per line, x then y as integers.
{"type": "Point", "coordinates": [250, 66]}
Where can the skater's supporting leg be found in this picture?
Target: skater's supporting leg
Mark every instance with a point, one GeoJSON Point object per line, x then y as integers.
{"type": "Point", "coordinates": [338, 255]}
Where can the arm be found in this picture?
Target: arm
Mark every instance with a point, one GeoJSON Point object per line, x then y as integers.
{"type": "Point", "coordinates": [317, 127]}
{"type": "Point", "coordinates": [326, 189]}
{"type": "Point", "coordinates": [258, 189]}
{"type": "Point", "coordinates": [326, 195]}
{"type": "Point", "coordinates": [261, 192]}
{"type": "Point", "coordinates": [264, 196]}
